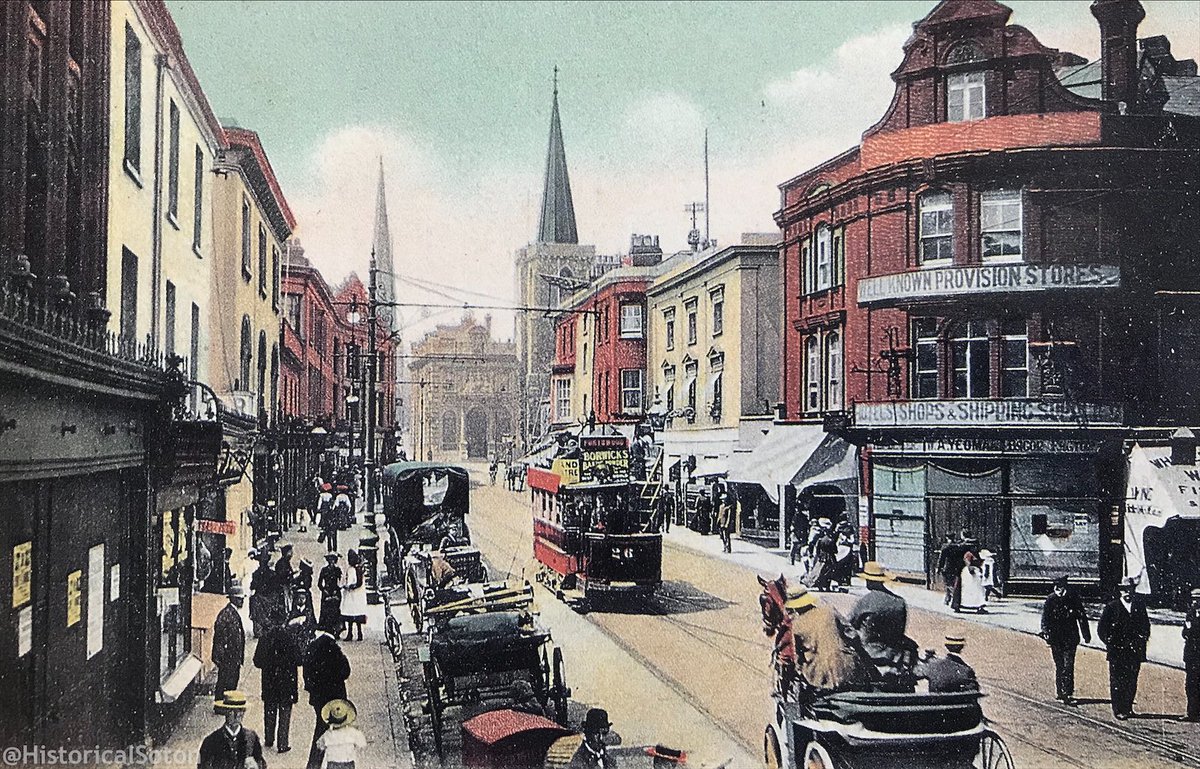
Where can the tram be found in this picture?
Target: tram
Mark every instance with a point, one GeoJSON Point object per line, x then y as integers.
{"type": "Point", "coordinates": [591, 537]}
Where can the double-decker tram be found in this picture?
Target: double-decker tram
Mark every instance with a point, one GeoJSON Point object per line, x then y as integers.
{"type": "Point", "coordinates": [591, 535]}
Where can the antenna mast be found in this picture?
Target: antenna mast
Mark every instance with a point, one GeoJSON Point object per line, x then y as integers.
{"type": "Point", "coordinates": [693, 238]}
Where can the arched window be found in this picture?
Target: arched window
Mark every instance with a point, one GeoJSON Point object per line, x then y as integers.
{"type": "Point", "coordinates": [449, 430]}
{"type": "Point", "coordinates": [812, 377]}
{"type": "Point", "coordinates": [245, 356]}
{"type": "Point", "coordinates": [833, 371]}
{"type": "Point", "coordinates": [937, 227]}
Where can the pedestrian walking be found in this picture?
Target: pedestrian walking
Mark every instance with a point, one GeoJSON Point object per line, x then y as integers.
{"type": "Point", "coordinates": [329, 585]}
{"type": "Point", "coordinates": [970, 595]}
{"type": "Point", "coordinates": [949, 560]}
{"type": "Point", "coordinates": [987, 568]}
{"type": "Point", "coordinates": [325, 672]}
{"type": "Point", "coordinates": [284, 575]}
{"type": "Point", "coordinates": [950, 673]}
{"type": "Point", "coordinates": [1191, 657]}
{"type": "Point", "coordinates": [233, 746]}
{"type": "Point", "coordinates": [229, 642]}
{"type": "Point", "coordinates": [340, 743]}
{"type": "Point", "coordinates": [263, 595]}
{"type": "Point", "coordinates": [702, 522]}
{"type": "Point", "coordinates": [593, 752]}
{"type": "Point", "coordinates": [726, 516]}
{"type": "Point", "coordinates": [278, 657]}
{"type": "Point", "coordinates": [1064, 623]}
{"type": "Point", "coordinates": [1124, 628]}
{"type": "Point", "coordinates": [354, 595]}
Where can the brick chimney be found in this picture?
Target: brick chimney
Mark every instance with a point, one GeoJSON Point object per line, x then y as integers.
{"type": "Point", "coordinates": [1119, 21]}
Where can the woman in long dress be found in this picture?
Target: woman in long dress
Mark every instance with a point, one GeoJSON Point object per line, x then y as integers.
{"type": "Point", "coordinates": [971, 579]}
{"type": "Point", "coordinates": [354, 595]}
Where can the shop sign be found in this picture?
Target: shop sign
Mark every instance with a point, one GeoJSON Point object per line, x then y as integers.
{"type": "Point", "coordinates": [1017, 446]}
{"type": "Point", "coordinates": [228, 528]}
{"type": "Point", "coordinates": [567, 470]}
{"type": "Point", "coordinates": [985, 413]}
{"type": "Point", "coordinates": [605, 459]}
{"type": "Point", "coordinates": [22, 574]}
{"type": "Point", "coordinates": [986, 279]}
{"type": "Point", "coordinates": [74, 598]}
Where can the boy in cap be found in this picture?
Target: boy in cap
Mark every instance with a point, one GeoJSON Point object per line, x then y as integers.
{"type": "Point", "coordinates": [233, 746]}
{"type": "Point", "coordinates": [950, 673]}
{"type": "Point", "coordinates": [340, 744]}
{"type": "Point", "coordinates": [1064, 623]}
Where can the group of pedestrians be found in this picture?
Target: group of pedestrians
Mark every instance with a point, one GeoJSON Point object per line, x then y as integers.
{"type": "Point", "coordinates": [716, 513]}
{"type": "Point", "coordinates": [1124, 629]}
{"type": "Point", "coordinates": [968, 573]}
{"type": "Point", "coordinates": [828, 554]}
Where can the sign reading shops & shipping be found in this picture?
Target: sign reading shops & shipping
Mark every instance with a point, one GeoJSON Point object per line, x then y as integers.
{"type": "Point", "coordinates": [985, 413]}
{"type": "Point", "coordinates": [986, 279]}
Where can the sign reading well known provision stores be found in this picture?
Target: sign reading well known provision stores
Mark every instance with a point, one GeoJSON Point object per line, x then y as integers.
{"type": "Point", "coordinates": [986, 279]}
{"type": "Point", "coordinates": [985, 413]}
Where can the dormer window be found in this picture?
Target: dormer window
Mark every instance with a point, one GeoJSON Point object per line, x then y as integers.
{"type": "Point", "coordinates": [965, 94]}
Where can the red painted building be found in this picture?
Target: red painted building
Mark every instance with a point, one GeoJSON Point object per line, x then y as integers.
{"type": "Point", "coordinates": [599, 363]}
{"type": "Point", "coordinates": [324, 376]}
{"type": "Point", "coordinates": [988, 295]}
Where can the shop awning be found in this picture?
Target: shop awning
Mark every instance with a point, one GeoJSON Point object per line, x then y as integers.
{"type": "Point", "coordinates": [1156, 492]}
{"type": "Point", "coordinates": [710, 467]}
{"type": "Point", "coordinates": [778, 459]}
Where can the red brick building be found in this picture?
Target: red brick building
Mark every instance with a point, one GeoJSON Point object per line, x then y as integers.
{"type": "Point", "coordinates": [988, 295]}
{"type": "Point", "coordinates": [599, 363]}
{"type": "Point", "coordinates": [323, 376]}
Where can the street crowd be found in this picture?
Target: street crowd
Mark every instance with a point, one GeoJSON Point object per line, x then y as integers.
{"type": "Point", "coordinates": [292, 640]}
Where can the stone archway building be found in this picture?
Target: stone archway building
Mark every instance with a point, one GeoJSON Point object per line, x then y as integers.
{"type": "Point", "coordinates": [463, 393]}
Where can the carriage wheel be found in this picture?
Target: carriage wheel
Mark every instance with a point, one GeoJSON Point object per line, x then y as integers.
{"type": "Point", "coordinates": [392, 632]}
{"type": "Point", "coordinates": [413, 599]}
{"type": "Point", "coordinates": [544, 668]}
{"type": "Point", "coordinates": [993, 753]}
{"type": "Point", "coordinates": [435, 705]}
{"type": "Point", "coordinates": [817, 757]}
{"type": "Point", "coordinates": [561, 692]}
{"type": "Point", "coordinates": [771, 757]}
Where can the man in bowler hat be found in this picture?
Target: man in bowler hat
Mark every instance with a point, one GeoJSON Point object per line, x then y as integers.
{"type": "Point", "coordinates": [592, 753]}
{"type": "Point", "coordinates": [1064, 623]}
{"type": "Point", "coordinates": [1124, 628]}
{"type": "Point", "coordinates": [229, 642]}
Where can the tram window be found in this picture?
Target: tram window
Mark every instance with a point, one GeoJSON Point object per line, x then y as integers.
{"type": "Point", "coordinates": [1038, 524]}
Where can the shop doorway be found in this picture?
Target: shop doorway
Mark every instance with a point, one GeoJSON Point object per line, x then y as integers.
{"type": "Point", "coordinates": [475, 428]}
{"type": "Point", "coordinates": [986, 519]}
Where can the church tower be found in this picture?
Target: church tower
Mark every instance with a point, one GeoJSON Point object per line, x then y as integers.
{"type": "Point", "coordinates": [548, 270]}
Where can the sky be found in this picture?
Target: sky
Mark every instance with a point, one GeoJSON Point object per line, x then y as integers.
{"type": "Point", "coordinates": [455, 98]}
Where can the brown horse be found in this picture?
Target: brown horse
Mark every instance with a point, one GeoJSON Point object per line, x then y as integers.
{"type": "Point", "coordinates": [777, 624]}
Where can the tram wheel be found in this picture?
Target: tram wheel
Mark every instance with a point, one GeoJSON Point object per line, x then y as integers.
{"type": "Point", "coordinates": [993, 753]}
{"type": "Point", "coordinates": [817, 757]}
{"type": "Point", "coordinates": [771, 756]}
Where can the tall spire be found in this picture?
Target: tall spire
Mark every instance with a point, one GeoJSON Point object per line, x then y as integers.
{"type": "Point", "coordinates": [557, 221]}
{"type": "Point", "coordinates": [382, 245]}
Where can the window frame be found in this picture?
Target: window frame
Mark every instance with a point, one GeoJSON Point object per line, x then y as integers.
{"type": "Point", "coordinates": [931, 342]}
{"type": "Point", "coordinates": [692, 307]}
{"type": "Point", "coordinates": [627, 312]}
{"type": "Point", "coordinates": [173, 163]}
{"type": "Point", "coordinates": [247, 265]}
{"type": "Point", "coordinates": [833, 361]}
{"type": "Point", "coordinates": [562, 398]}
{"type": "Point", "coordinates": [198, 201]}
{"type": "Point", "coordinates": [132, 151]}
{"type": "Point", "coordinates": [1005, 337]}
{"type": "Point", "coordinates": [999, 199]}
{"type": "Point", "coordinates": [262, 260]}
{"type": "Point", "coordinates": [634, 404]}
{"type": "Point", "coordinates": [812, 374]}
{"type": "Point", "coordinates": [975, 339]}
{"type": "Point", "coordinates": [965, 84]}
{"type": "Point", "coordinates": [669, 328]}
{"type": "Point", "coordinates": [716, 299]}
{"type": "Point", "coordinates": [943, 208]}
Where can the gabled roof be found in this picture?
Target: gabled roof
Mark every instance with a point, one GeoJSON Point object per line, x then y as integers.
{"type": "Point", "coordinates": [556, 224]}
{"type": "Point", "coordinates": [953, 11]}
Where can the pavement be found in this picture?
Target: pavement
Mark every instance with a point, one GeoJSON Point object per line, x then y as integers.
{"type": "Point", "coordinates": [372, 687]}
{"type": "Point", "coordinates": [1023, 615]}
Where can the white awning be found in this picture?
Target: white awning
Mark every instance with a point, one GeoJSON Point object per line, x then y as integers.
{"type": "Point", "coordinates": [776, 461]}
{"type": "Point", "coordinates": [707, 467]}
{"type": "Point", "coordinates": [1155, 492]}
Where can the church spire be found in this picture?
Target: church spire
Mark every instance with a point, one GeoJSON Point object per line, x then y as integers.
{"type": "Point", "coordinates": [557, 221]}
{"type": "Point", "coordinates": [381, 243]}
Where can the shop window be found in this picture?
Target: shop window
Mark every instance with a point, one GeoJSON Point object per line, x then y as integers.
{"type": "Point", "coordinates": [965, 96]}
{"type": "Point", "coordinates": [937, 228]}
{"type": "Point", "coordinates": [925, 369]}
{"type": "Point", "coordinates": [1000, 225]}
{"type": "Point", "coordinates": [1015, 359]}
{"type": "Point", "coordinates": [969, 352]}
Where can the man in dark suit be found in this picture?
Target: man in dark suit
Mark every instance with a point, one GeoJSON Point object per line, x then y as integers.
{"type": "Point", "coordinates": [950, 673]}
{"type": "Point", "coordinates": [229, 642]}
{"type": "Point", "coordinates": [1064, 622]}
{"type": "Point", "coordinates": [1191, 658]}
{"type": "Point", "coordinates": [233, 745]}
{"type": "Point", "coordinates": [592, 752]}
{"type": "Point", "coordinates": [1124, 628]}
{"type": "Point", "coordinates": [325, 672]}
{"type": "Point", "coordinates": [278, 656]}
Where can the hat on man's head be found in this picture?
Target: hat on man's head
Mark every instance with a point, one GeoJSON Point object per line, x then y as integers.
{"type": "Point", "coordinates": [798, 597]}
{"type": "Point", "coordinates": [1062, 581]}
{"type": "Point", "coordinates": [332, 556]}
{"type": "Point", "coordinates": [596, 719]}
{"type": "Point", "coordinates": [236, 590]}
{"type": "Point", "coordinates": [339, 713]}
{"type": "Point", "coordinates": [955, 641]}
{"type": "Point", "coordinates": [824, 523]}
{"type": "Point", "coordinates": [233, 699]}
{"type": "Point", "coordinates": [873, 571]}
{"type": "Point", "coordinates": [1128, 583]}
{"type": "Point", "coordinates": [285, 546]}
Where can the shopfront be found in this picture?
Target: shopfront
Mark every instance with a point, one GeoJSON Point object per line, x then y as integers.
{"type": "Point", "coordinates": [1044, 506]}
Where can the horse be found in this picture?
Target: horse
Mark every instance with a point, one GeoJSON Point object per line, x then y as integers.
{"type": "Point", "coordinates": [777, 624]}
